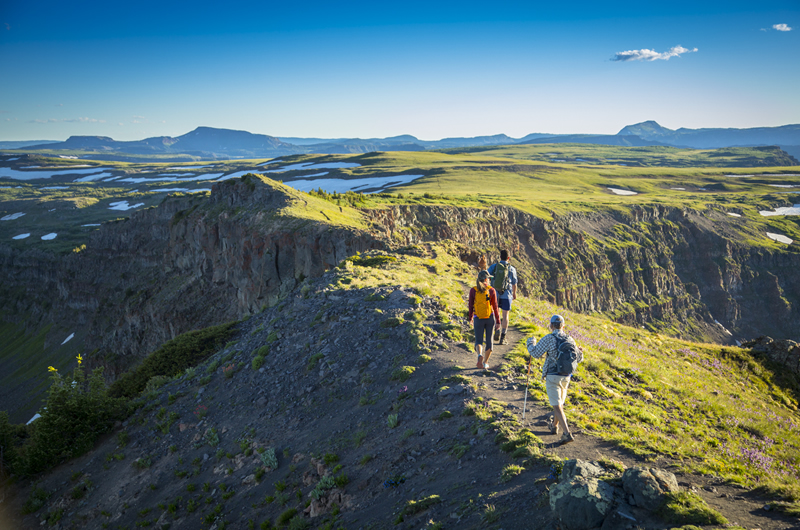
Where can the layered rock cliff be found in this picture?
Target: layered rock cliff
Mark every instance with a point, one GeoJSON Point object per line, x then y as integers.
{"type": "Point", "coordinates": [684, 272]}
{"type": "Point", "coordinates": [198, 261]}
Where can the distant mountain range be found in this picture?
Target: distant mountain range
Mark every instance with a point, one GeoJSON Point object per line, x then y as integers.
{"type": "Point", "coordinates": [211, 143]}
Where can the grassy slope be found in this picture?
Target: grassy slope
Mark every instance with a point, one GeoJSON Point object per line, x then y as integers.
{"type": "Point", "coordinates": [713, 409]}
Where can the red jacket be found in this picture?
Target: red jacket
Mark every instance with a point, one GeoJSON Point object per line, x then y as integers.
{"type": "Point", "coordinates": [492, 299]}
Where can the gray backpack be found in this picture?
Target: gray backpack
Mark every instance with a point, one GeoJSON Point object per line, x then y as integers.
{"type": "Point", "coordinates": [566, 356]}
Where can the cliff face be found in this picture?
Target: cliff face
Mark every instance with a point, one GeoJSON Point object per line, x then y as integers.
{"type": "Point", "coordinates": [675, 270]}
{"type": "Point", "coordinates": [189, 263]}
{"type": "Point", "coordinates": [196, 261]}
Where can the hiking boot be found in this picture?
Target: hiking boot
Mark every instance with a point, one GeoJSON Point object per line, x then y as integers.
{"type": "Point", "coordinates": [496, 335]}
{"type": "Point", "coordinates": [503, 339]}
{"type": "Point", "coordinates": [567, 438]}
{"type": "Point", "coordinates": [554, 427]}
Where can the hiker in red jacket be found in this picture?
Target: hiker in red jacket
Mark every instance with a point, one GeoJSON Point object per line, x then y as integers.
{"type": "Point", "coordinates": [483, 307]}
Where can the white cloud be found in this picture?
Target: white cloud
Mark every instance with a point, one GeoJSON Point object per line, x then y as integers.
{"type": "Point", "coordinates": [782, 27]}
{"type": "Point", "coordinates": [650, 55]}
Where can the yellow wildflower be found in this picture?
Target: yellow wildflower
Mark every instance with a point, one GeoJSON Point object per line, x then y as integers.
{"type": "Point", "coordinates": [80, 359]}
{"type": "Point", "coordinates": [50, 368]}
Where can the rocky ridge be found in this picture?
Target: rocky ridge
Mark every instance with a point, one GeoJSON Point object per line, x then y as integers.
{"type": "Point", "coordinates": [348, 419]}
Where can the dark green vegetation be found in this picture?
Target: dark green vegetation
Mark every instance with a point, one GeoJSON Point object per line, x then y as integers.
{"type": "Point", "coordinates": [77, 411]}
{"type": "Point", "coordinates": [173, 358]}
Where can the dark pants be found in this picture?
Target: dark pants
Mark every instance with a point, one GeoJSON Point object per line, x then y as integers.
{"type": "Point", "coordinates": [483, 330]}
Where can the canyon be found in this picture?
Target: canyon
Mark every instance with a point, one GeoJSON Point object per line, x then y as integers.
{"type": "Point", "coordinates": [193, 262]}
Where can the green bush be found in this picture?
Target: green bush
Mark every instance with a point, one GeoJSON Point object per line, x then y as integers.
{"type": "Point", "coordinates": [402, 374]}
{"type": "Point", "coordinates": [173, 358]}
{"type": "Point", "coordinates": [77, 412]}
{"type": "Point", "coordinates": [258, 362]}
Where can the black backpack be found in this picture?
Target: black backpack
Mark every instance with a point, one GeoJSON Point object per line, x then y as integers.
{"type": "Point", "coordinates": [566, 356]}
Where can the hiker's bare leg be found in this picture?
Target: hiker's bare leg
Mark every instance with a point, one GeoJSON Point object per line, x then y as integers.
{"type": "Point", "coordinates": [560, 418]}
{"type": "Point", "coordinates": [504, 322]}
{"type": "Point", "coordinates": [486, 359]}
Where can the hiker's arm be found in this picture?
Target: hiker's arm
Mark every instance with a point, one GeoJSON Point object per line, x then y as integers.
{"type": "Point", "coordinates": [514, 284]}
{"type": "Point", "coordinates": [536, 350]}
{"type": "Point", "coordinates": [494, 307]}
{"type": "Point", "coordinates": [530, 343]}
{"type": "Point", "coordinates": [471, 305]}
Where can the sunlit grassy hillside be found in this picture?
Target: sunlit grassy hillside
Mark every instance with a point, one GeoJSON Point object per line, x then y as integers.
{"type": "Point", "coordinates": [707, 409]}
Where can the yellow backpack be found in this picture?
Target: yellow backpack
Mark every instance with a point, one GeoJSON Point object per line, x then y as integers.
{"type": "Point", "coordinates": [483, 304]}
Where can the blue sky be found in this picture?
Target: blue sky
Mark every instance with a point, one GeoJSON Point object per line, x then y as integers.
{"type": "Point", "coordinates": [357, 69]}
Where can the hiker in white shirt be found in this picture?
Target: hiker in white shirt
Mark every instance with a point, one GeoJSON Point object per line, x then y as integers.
{"type": "Point", "coordinates": [555, 384]}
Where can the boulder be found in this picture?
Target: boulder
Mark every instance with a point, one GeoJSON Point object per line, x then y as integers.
{"type": "Point", "coordinates": [578, 468]}
{"type": "Point", "coordinates": [648, 487]}
{"type": "Point", "coordinates": [582, 502]}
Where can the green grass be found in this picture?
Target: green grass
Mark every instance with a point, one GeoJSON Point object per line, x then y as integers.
{"type": "Point", "coordinates": [713, 409]}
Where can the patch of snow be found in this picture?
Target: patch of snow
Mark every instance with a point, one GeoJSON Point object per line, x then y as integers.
{"type": "Point", "coordinates": [784, 185]}
{"type": "Point", "coordinates": [123, 205]}
{"type": "Point", "coordinates": [49, 237]}
{"type": "Point", "coordinates": [90, 178]}
{"type": "Point", "coordinates": [311, 165]}
{"type": "Point", "coordinates": [34, 175]}
{"type": "Point", "coordinates": [11, 159]}
{"type": "Point", "coordinates": [734, 214]}
{"type": "Point", "coordinates": [780, 238]}
{"type": "Point", "coordinates": [140, 180]}
{"type": "Point", "coordinates": [739, 176]}
{"type": "Point", "coordinates": [618, 191]}
{"type": "Point", "coordinates": [181, 190]}
{"type": "Point", "coordinates": [276, 161]}
{"type": "Point", "coordinates": [176, 174]}
{"type": "Point", "coordinates": [6, 188]}
{"type": "Point", "coordinates": [679, 189]}
{"type": "Point", "coordinates": [344, 185]}
{"type": "Point", "coordinates": [783, 210]}
{"type": "Point", "coordinates": [68, 156]}
{"type": "Point", "coordinates": [93, 224]}
{"type": "Point", "coordinates": [35, 417]}
{"type": "Point", "coordinates": [112, 178]}
{"type": "Point", "coordinates": [190, 167]}
{"type": "Point", "coordinates": [53, 210]}
{"type": "Point", "coordinates": [21, 236]}
{"type": "Point", "coordinates": [12, 216]}
{"type": "Point", "coordinates": [68, 339]}
{"type": "Point", "coordinates": [55, 188]}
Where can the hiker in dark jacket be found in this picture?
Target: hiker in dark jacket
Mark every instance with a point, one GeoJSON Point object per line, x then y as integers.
{"type": "Point", "coordinates": [506, 297]}
{"type": "Point", "coordinates": [555, 384]}
{"type": "Point", "coordinates": [483, 306]}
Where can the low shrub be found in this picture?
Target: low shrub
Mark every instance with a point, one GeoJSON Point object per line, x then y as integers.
{"type": "Point", "coordinates": [173, 358]}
